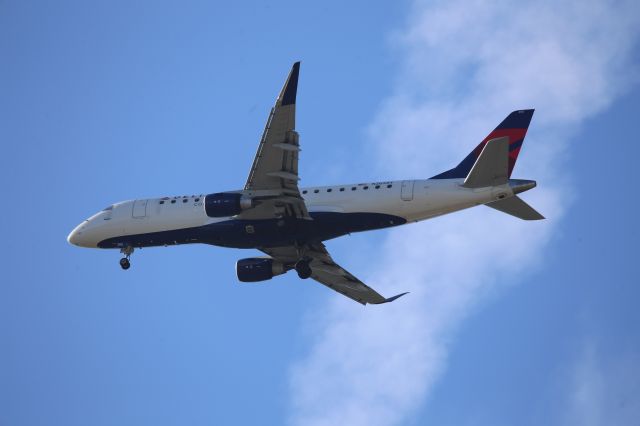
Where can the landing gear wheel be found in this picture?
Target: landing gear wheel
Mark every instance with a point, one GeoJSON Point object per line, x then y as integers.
{"type": "Point", "coordinates": [303, 269]}
{"type": "Point", "coordinates": [124, 263]}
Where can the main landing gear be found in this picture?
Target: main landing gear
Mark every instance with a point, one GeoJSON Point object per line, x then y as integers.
{"type": "Point", "coordinates": [303, 269]}
{"type": "Point", "coordinates": [124, 262]}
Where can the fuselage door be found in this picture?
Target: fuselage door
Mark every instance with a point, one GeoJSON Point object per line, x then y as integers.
{"type": "Point", "coordinates": [139, 208]}
{"type": "Point", "coordinates": [407, 190]}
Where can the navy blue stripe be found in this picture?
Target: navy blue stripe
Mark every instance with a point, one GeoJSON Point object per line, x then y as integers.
{"type": "Point", "coordinates": [262, 233]}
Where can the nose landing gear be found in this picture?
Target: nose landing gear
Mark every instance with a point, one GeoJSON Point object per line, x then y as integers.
{"type": "Point", "coordinates": [124, 262]}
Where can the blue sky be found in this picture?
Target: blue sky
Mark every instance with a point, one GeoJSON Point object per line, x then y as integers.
{"type": "Point", "coordinates": [507, 322]}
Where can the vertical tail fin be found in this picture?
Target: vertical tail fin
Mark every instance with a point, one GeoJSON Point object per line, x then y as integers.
{"type": "Point", "coordinates": [514, 127]}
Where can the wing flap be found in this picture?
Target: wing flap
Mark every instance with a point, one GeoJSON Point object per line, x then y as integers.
{"type": "Point", "coordinates": [276, 162]}
{"type": "Point", "coordinates": [327, 272]}
{"type": "Point", "coordinates": [275, 166]}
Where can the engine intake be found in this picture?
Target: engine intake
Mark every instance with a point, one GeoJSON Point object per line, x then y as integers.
{"type": "Point", "coordinates": [223, 204]}
{"type": "Point", "coordinates": [258, 269]}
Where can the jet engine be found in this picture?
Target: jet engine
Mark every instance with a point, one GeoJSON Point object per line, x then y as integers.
{"type": "Point", "coordinates": [223, 204]}
{"type": "Point", "coordinates": [256, 269]}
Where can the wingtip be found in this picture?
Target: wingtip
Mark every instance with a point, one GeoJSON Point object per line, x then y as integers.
{"type": "Point", "coordinates": [291, 87]}
{"type": "Point", "coordinates": [391, 299]}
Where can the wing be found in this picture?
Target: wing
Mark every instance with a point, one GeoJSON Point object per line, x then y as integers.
{"type": "Point", "coordinates": [275, 166]}
{"type": "Point", "coordinates": [327, 272]}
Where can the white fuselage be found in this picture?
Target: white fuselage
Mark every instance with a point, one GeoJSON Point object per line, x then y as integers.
{"type": "Point", "coordinates": [409, 200]}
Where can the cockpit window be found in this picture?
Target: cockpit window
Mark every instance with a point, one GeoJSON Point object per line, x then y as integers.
{"type": "Point", "coordinates": [108, 208]}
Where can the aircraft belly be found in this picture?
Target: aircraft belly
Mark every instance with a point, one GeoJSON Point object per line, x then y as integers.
{"type": "Point", "coordinates": [282, 232]}
{"type": "Point", "coordinates": [261, 233]}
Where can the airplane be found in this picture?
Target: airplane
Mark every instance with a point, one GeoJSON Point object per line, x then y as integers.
{"type": "Point", "coordinates": [289, 224]}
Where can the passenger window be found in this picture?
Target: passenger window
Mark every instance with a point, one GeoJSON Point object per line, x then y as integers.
{"type": "Point", "coordinates": [305, 191]}
{"type": "Point", "coordinates": [389, 186]}
{"type": "Point", "coordinates": [161, 202]}
{"type": "Point", "coordinates": [353, 188]}
{"type": "Point", "coordinates": [329, 190]}
{"type": "Point", "coordinates": [185, 200]}
{"type": "Point", "coordinates": [341, 189]}
{"type": "Point", "coordinates": [197, 199]}
{"type": "Point", "coordinates": [366, 187]}
{"type": "Point", "coordinates": [315, 191]}
{"type": "Point", "coordinates": [173, 201]}
{"type": "Point", "coordinates": [377, 186]}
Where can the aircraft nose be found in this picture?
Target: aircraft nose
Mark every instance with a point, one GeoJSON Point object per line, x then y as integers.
{"type": "Point", "coordinates": [74, 236]}
{"type": "Point", "coordinates": [78, 237]}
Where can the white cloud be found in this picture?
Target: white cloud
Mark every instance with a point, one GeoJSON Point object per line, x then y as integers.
{"type": "Point", "coordinates": [468, 64]}
{"type": "Point", "coordinates": [603, 392]}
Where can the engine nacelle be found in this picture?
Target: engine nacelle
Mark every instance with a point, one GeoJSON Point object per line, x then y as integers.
{"type": "Point", "coordinates": [258, 269]}
{"type": "Point", "coordinates": [223, 204]}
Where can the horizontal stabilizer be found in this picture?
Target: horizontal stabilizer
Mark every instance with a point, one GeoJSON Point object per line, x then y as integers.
{"type": "Point", "coordinates": [515, 206]}
{"type": "Point", "coordinates": [492, 166]}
